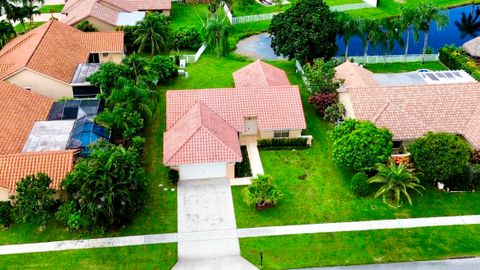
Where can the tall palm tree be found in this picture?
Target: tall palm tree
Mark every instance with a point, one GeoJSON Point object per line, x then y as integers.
{"type": "Point", "coordinates": [153, 33]}
{"type": "Point", "coordinates": [7, 33]}
{"type": "Point", "coordinates": [348, 27]}
{"type": "Point", "coordinates": [469, 24]}
{"type": "Point", "coordinates": [409, 21]}
{"type": "Point", "coordinates": [396, 180]}
{"type": "Point", "coordinates": [29, 11]}
{"type": "Point", "coordinates": [392, 34]}
{"type": "Point", "coordinates": [216, 31]}
{"type": "Point", "coordinates": [371, 34]}
{"type": "Point", "coordinates": [428, 13]}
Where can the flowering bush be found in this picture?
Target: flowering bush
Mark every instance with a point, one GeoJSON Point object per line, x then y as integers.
{"type": "Point", "coordinates": [322, 101]}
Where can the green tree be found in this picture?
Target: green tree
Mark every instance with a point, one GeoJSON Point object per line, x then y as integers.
{"type": "Point", "coordinates": [360, 144]}
{"type": "Point", "coordinates": [348, 27]}
{"type": "Point", "coordinates": [216, 31]}
{"type": "Point", "coordinates": [132, 97]}
{"type": "Point", "coordinates": [409, 20]}
{"type": "Point", "coordinates": [153, 33]}
{"type": "Point", "coordinates": [440, 156]}
{"type": "Point", "coordinates": [321, 77]}
{"type": "Point", "coordinates": [7, 33]}
{"type": "Point", "coordinates": [124, 122]}
{"type": "Point", "coordinates": [370, 34]}
{"type": "Point", "coordinates": [427, 13]}
{"type": "Point", "coordinates": [305, 32]}
{"type": "Point", "coordinates": [392, 35]}
{"type": "Point", "coordinates": [244, 4]}
{"type": "Point", "coordinates": [107, 187]}
{"type": "Point", "coordinates": [396, 181]}
{"type": "Point", "coordinates": [30, 10]}
{"type": "Point", "coordinates": [136, 67]}
{"type": "Point", "coordinates": [106, 78]}
{"type": "Point", "coordinates": [86, 26]}
{"type": "Point", "coordinates": [163, 68]}
{"type": "Point", "coordinates": [34, 201]}
{"type": "Point", "coordinates": [262, 192]}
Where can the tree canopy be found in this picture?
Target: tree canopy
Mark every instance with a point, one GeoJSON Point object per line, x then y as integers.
{"type": "Point", "coordinates": [306, 31]}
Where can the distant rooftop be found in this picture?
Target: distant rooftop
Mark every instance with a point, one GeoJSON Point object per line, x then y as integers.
{"type": "Point", "coordinates": [423, 77]}
{"type": "Point", "coordinates": [49, 136]}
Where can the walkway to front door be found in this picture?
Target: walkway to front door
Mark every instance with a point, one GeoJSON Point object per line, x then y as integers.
{"type": "Point", "coordinates": [207, 230]}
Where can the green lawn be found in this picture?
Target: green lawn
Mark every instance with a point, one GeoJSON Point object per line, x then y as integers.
{"type": "Point", "coordinates": [324, 194]}
{"type": "Point", "coordinates": [365, 247]}
{"type": "Point", "coordinates": [404, 67]}
{"type": "Point", "coordinates": [188, 15]}
{"type": "Point", "coordinates": [159, 256]}
{"type": "Point", "coordinates": [51, 8]}
{"type": "Point", "coordinates": [19, 28]}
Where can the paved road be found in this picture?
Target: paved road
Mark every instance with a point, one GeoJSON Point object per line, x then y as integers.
{"type": "Point", "coordinates": [457, 264]}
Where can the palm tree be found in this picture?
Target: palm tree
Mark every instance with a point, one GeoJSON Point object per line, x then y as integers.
{"type": "Point", "coordinates": [469, 24]}
{"type": "Point", "coordinates": [7, 33]}
{"type": "Point", "coordinates": [396, 180]}
{"type": "Point", "coordinates": [216, 31]}
{"type": "Point", "coordinates": [391, 34]}
{"type": "Point", "coordinates": [153, 33]}
{"type": "Point", "coordinates": [262, 193]}
{"type": "Point", "coordinates": [29, 11]}
{"type": "Point", "coordinates": [348, 27]}
{"type": "Point", "coordinates": [427, 13]}
{"type": "Point", "coordinates": [371, 34]}
{"type": "Point", "coordinates": [409, 21]}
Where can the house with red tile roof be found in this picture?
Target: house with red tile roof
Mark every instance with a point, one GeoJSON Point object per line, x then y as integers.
{"type": "Point", "coordinates": [410, 111]}
{"type": "Point", "coordinates": [106, 15]}
{"type": "Point", "coordinates": [20, 109]}
{"type": "Point", "coordinates": [206, 127]}
{"type": "Point", "coordinates": [46, 59]}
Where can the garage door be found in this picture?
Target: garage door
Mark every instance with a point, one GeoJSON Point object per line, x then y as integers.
{"type": "Point", "coordinates": [202, 170]}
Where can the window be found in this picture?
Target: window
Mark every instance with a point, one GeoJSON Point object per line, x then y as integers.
{"type": "Point", "coordinates": [281, 134]}
{"type": "Point", "coordinates": [94, 58]}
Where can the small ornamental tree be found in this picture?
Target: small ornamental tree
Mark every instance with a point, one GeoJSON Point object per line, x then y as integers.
{"type": "Point", "coordinates": [86, 26]}
{"type": "Point", "coordinates": [34, 201]}
{"type": "Point", "coordinates": [262, 193]}
{"type": "Point", "coordinates": [322, 101]}
{"type": "Point", "coordinates": [321, 77]}
{"type": "Point", "coordinates": [440, 156]}
{"type": "Point", "coordinates": [306, 31]}
{"type": "Point", "coordinates": [334, 112]}
{"type": "Point", "coordinates": [360, 144]}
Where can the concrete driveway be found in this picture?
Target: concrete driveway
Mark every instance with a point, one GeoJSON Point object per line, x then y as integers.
{"type": "Point", "coordinates": [207, 231]}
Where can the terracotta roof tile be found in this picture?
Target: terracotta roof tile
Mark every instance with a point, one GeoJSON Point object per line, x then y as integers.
{"type": "Point", "coordinates": [201, 136]}
{"type": "Point", "coordinates": [259, 74]}
{"type": "Point", "coordinates": [152, 4]}
{"type": "Point", "coordinates": [56, 164]}
{"type": "Point", "coordinates": [55, 49]}
{"type": "Point", "coordinates": [19, 109]}
{"type": "Point", "coordinates": [355, 76]}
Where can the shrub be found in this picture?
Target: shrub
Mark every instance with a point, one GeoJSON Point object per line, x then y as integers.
{"type": "Point", "coordinates": [242, 169]}
{"type": "Point", "coordinates": [322, 101]}
{"type": "Point", "coordinates": [34, 200]}
{"type": "Point", "coordinates": [86, 26]}
{"type": "Point", "coordinates": [262, 193]}
{"type": "Point", "coordinates": [440, 156]}
{"type": "Point", "coordinates": [359, 184]}
{"type": "Point", "coordinates": [360, 144]}
{"type": "Point", "coordinates": [6, 218]}
{"type": "Point", "coordinates": [69, 215]}
{"type": "Point", "coordinates": [334, 112]}
{"type": "Point", "coordinates": [321, 77]}
{"type": "Point", "coordinates": [188, 38]}
{"type": "Point", "coordinates": [163, 67]}
{"type": "Point", "coordinates": [454, 58]}
{"type": "Point", "coordinates": [173, 176]}
{"type": "Point", "coordinates": [282, 143]}
{"type": "Point", "coordinates": [475, 157]}
{"type": "Point", "coordinates": [475, 175]}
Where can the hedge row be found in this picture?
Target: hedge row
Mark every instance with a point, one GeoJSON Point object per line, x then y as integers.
{"type": "Point", "coordinates": [455, 58]}
{"type": "Point", "coordinates": [282, 143]}
{"type": "Point", "coordinates": [242, 169]}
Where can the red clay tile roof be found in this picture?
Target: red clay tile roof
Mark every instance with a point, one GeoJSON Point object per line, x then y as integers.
{"type": "Point", "coordinates": [276, 108]}
{"type": "Point", "coordinates": [200, 136]}
{"type": "Point", "coordinates": [354, 76]}
{"type": "Point", "coordinates": [152, 4]}
{"type": "Point", "coordinates": [259, 74]}
{"type": "Point", "coordinates": [56, 164]}
{"type": "Point", "coordinates": [19, 109]}
{"type": "Point", "coordinates": [411, 111]}
{"type": "Point", "coordinates": [55, 49]}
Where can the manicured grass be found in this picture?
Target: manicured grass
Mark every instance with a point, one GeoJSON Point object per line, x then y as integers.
{"type": "Point", "coordinates": [365, 247]}
{"type": "Point", "coordinates": [404, 67]}
{"type": "Point", "coordinates": [19, 28]}
{"type": "Point", "coordinates": [243, 30]}
{"type": "Point", "coordinates": [324, 194]}
{"type": "Point", "coordinates": [51, 8]}
{"type": "Point", "coordinates": [160, 256]}
{"type": "Point", "coordinates": [188, 15]}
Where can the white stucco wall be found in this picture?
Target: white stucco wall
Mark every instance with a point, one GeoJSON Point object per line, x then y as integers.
{"type": "Point", "coordinates": [4, 194]}
{"type": "Point", "coordinates": [202, 170]}
{"type": "Point", "coordinates": [41, 84]}
{"type": "Point", "coordinates": [373, 3]}
{"type": "Point", "coordinates": [346, 100]}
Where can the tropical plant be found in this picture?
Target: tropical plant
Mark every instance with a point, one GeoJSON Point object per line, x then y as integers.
{"type": "Point", "coordinates": [163, 68]}
{"type": "Point", "coordinates": [7, 33]}
{"type": "Point", "coordinates": [123, 122]}
{"type": "Point", "coordinates": [153, 33]}
{"type": "Point", "coordinates": [33, 202]}
{"type": "Point", "coordinates": [321, 77]}
{"type": "Point", "coordinates": [396, 181]}
{"type": "Point", "coordinates": [262, 192]}
{"type": "Point", "coordinates": [86, 26]}
{"type": "Point", "coordinates": [409, 21]}
{"type": "Point", "coordinates": [306, 31]}
{"type": "Point", "coordinates": [334, 113]}
{"type": "Point", "coordinates": [469, 24]}
{"type": "Point", "coordinates": [370, 34]}
{"type": "Point", "coordinates": [359, 184]}
{"type": "Point", "coordinates": [136, 67]}
{"type": "Point", "coordinates": [6, 216]}
{"type": "Point", "coordinates": [360, 144]}
{"type": "Point", "coordinates": [106, 78]}
{"type": "Point", "coordinates": [392, 35]}
{"type": "Point", "coordinates": [428, 13]}
{"type": "Point", "coordinates": [132, 97]}
{"type": "Point", "coordinates": [188, 38]}
{"type": "Point", "coordinates": [29, 11]}
{"type": "Point", "coordinates": [440, 156]}
{"type": "Point", "coordinates": [216, 32]}
{"type": "Point", "coordinates": [347, 28]}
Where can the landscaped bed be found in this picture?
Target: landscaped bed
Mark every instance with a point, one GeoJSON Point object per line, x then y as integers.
{"type": "Point", "coordinates": [404, 67]}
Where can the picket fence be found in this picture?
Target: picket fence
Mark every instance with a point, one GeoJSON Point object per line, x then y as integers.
{"type": "Point", "coordinates": [377, 59]}
{"type": "Point", "coordinates": [193, 58]}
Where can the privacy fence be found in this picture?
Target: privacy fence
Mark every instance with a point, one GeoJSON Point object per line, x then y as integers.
{"type": "Point", "coordinates": [193, 58]}
{"type": "Point", "coordinates": [377, 59]}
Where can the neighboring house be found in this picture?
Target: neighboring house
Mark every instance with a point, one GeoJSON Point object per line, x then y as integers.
{"type": "Point", "coordinates": [106, 15]}
{"type": "Point", "coordinates": [46, 59]}
{"type": "Point", "coordinates": [205, 128]}
{"type": "Point", "coordinates": [34, 137]}
{"type": "Point", "coordinates": [410, 111]}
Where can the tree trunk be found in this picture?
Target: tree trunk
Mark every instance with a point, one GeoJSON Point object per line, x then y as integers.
{"type": "Point", "coordinates": [425, 42]}
{"type": "Point", "coordinates": [406, 44]}
{"type": "Point", "coordinates": [346, 50]}
{"type": "Point", "coordinates": [365, 52]}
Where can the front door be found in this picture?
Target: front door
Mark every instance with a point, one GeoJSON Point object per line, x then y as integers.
{"type": "Point", "coordinates": [250, 125]}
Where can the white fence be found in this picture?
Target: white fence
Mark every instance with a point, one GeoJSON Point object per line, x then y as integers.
{"type": "Point", "coordinates": [351, 7]}
{"type": "Point", "coordinates": [227, 11]}
{"type": "Point", "coordinates": [302, 73]}
{"type": "Point", "coordinates": [377, 59]}
{"type": "Point", "coordinates": [193, 58]}
{"type": "Point", "coordinates": [254, 18]}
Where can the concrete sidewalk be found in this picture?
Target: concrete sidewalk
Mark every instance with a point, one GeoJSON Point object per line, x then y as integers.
{"type": "Point", "coordinates": [454, 264]}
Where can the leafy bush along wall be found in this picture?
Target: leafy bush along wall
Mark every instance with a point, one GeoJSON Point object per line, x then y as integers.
{"type": "Point", "coordinates": [455, 58]}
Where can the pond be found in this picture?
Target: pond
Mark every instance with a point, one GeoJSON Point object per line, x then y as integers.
{"type": "Point", "coordinates": [258, 46]}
